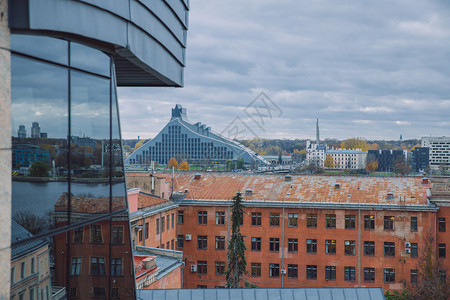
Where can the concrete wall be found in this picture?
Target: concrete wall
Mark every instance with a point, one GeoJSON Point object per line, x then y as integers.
{"type": "Point", "coordinates": [5, 151]}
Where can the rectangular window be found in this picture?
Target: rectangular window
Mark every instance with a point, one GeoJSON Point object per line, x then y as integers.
{"type": "Point", "coordinates": [311, 246]}
{"type": "Point", "coordinates": [443, 275]}
{"type": "Point", "coordinates": [414, 276]}
{"type": "Point", "coordinates": [389, 249]}
{"type": "Point", "coordinates": [330, 221]}
{"type": "Point", "coordinates": [220, 218]}
{"type": "Point", "coordinates": [163, 224]}
{"type": "Point", "coordinates": [33, 263]}
{"type": "Point", "coordinates": [413, 223]}
{"type": "Point", "coordinates": [202, 267]}
{"type": "Point", "coordinates": [98, 266]}
{"type": "Point", "coordinates": [99, 292]}
{"type": "Point", "coordinates": [274, 270]}
{"type": "Point", "coordinates": [442, 250]}
{"type": "Point", "coordinates": [116, 267]}
{"type": "Point", "coordinates": [117, 234]}
{"type": "Point", "coordinates": [311, 221]}
{"type": "Point", "coordinates": [274, 244]}
{"type": "Point", "coordinates": [256, 269]}
{"type": "Point", "coordinates": [369, 222]}
{"type": "Point", "coordinates": [349, 247]}
{"type": "Point", "coordinates": [441, 224]}
{"type": "Point", "coordinates": [173, 220]}
{"type": "Point", "coordinates": [311, 271]}
{"type": "Point", "coordinates": [180, 217]}
{"type": "Point", "coordinates": [256, 244]}
{"type": "Point", "coordinates": [389, 275]}
{"type": "Point", "coordinates": [220, 267]}
{"type": "Point", "coordinates": [349, 273]}
{"type": "Point", "coordinates": [76, 266]}
{"type": "Point", "coordinates": [274, 219]}
{"type": "Point", "coordinates": [292, 271]}
{"type": "Point", "coordinates": [96, 234]}
{"type": "Point", "coordinates": [201, 286]}
{"type": "Point", "coordinates": [369, 274]}
{"type": "Point", "coordinates": [157, 226]}
{"type": "Point", "coordinates": [256, 219]}
{"type": "Point", "coordinates": [220, 243]}
{"type": "Point", "coordinates": [369, 248]}
{"type": "Point", "coordinates": [13, 270]}
{"type": "Point", "coordinates": [350, 222]}
{"type": "Point", "coordinates": [172, 242]}
{"type": "Point", "coordinates": [414, 250]}
{"type": "Point", "coordinates": [168, 222]}
{"type": "Point", "coordinates": [202, 217]}
{"type": "Point", "coordinates": [292, 220]}
{"type": "Point", "coordinates": [146, 228]}
{"type": "Point", "coordinates": [293, 245]}
{"type": "Point", "coordinates": [202, 242]}
{"type": "Point", "coordinates": [78, 235]}
{"type": "Point", "coordinates": [330, 272]}
{"type": "Point", "coordinates": [388, 223]}
{"type": "Point", "coordinates": [330, 246]}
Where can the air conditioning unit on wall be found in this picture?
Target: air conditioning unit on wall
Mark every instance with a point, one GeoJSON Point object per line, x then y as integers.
{"type": "Point", "coordinates": [188, 237]}
{"type": "Point", "coordinates": [408, 245]}
{"type": "Point", "coordinates": [407, 251]}
{"type": "Point", "coordinates": [283, 272]}
{"type": "Point", "coordinates": [193, 268]}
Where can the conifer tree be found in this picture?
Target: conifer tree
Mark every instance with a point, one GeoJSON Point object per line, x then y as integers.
{"type": "Point", "coordinates": [237, 262]}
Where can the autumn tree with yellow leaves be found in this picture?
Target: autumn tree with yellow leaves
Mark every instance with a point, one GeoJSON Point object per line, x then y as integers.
{"type": "Point", "coordinates": [329, 162]}
{"type": "Point", "coordinates": [184, 165]}
{"type": "Point", "coordinates": [355, 143]}
{"type": "Point", "coordinates": [173, 163]}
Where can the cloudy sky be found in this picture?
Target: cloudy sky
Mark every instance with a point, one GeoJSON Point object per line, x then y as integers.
{"type": "Point", "coordinates": [373, 69]}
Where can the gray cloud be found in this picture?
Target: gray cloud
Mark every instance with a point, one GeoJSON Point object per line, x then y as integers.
{"type": "Point", "coordinates": [367, 69]}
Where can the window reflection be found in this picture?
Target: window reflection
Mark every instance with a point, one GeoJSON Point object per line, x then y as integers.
{"type": "Point", "coordinates": [47, 48]}
{"type": "Point", "coordinates": [94, 246]}
{"type": "Point", "coordinates": [89, 59]}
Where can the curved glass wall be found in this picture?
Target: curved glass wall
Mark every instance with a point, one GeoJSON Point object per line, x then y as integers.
{"type": "Point", "coordinates": [70, 230]}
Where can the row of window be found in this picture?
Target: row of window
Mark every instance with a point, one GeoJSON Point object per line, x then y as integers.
{"type": "Point", "coordinates": [97, 266]}
{"type": "Point", "coordinates": [96, 236]}
{"type": "Point", "coordinates": [163, 224]}
{"type": "Point", "coordinates": [311, 246]}
{"type": "Point", "coordinates": [311, 220]}
{"type": "Point", "coordinates": [311, 272]}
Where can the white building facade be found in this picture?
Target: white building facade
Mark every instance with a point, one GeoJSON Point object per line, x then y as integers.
{"type": "Point", "coordinates": [439, 152]}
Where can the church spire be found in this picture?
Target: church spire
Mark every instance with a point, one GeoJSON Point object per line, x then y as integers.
{"type": "Point", "coordinates": [317, 132]}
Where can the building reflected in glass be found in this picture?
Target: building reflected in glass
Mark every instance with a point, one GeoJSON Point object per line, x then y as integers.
{"type": "Point", "coordinates": [68, 195]}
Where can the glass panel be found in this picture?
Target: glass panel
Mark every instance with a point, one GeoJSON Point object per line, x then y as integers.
{"type": "Point", "coordinates": [39, 141]}
{"type": "Point", "coordinates": [90, 135]}
{"type": "Point", "coordinates": [89, 59]}
{"type": "Point", "coordinates": [41, 46]}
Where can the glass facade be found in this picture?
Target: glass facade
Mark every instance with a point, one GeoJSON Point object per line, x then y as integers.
{"type": "Point", "coordinates": [68, 195]}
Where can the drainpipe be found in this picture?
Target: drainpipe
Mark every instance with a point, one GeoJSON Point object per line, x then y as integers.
{"type": "Point", "coordinates": [435, 238]}
{"type": "Point", "coordinates": [359, 246]}
{"type": "Point", "coordinates": [229, 220]}
{"type": "Point", "coordinates": [161, 225]}
{"type": "Point", "coordinates": [282, 252]}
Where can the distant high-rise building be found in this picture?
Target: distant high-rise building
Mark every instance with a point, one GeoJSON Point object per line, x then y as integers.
{"type": "Point", "coordinates": [439, 152]}
{"type": "Point", "coordinates": [22, 132]}
{"type": "Point", "coordinates": [317, 132]}
{"type": "Point", "coordinates": [387, 158]}
{"type": "Point", "coordinates": [43, 134]}
{"type": "Point", "coordinates": [420, 158]}
{"type": "Point", "coordinates": [35, 130]}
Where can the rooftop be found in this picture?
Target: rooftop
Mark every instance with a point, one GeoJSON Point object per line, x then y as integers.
{"type": "Point", "coordinates": [304, 188]}
{"type": "Point", "coordinates": [264, 294]}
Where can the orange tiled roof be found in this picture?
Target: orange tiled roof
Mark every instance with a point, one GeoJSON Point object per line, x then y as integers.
{"type": "Point", "coordinates": [91, 205]}
{"type": "Point", "coordinates": [304, 188]}
{"type": "Point", "coordinates": [146, 201]}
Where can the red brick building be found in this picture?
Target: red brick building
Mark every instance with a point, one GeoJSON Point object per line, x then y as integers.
{"type": "Point", "coordinates": [309, 231]}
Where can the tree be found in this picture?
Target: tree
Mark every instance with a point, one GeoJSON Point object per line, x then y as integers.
{"type": "Point", "coordinates": [240, 163]}
{"type": "Point", "coordinates": [372, 165]}
{"type": "Point", "coordinates": [39, 169]}
{"type": "Point", "coordinates": [237, 262]}
{"type": "Point", "coordinates": [173, 163]}
{"type": "Point", "coordinates": [230, 165]}
{"type": "Point", "coordinates": [355, 143]}
{"type": "Point", "coordinates": [33, 223]}
{"type": "Point", "coordinates": [432, 283]}
{"type": "Point", "coordinates": [138, 144]}
{"type": "Point", "coordinates": [329, 161]}
{"type": "Point", "coordinates": [401, 166]}
{"type": "Point", "coordinates": [184, 165]}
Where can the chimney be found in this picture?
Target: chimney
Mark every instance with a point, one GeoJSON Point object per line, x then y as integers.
{"type": "Point", "coordinates": [287, 178]}
{"type": "Point", "coordinates": [197, 176]}
{"type": "Point", "coordinates": [425, 180]}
